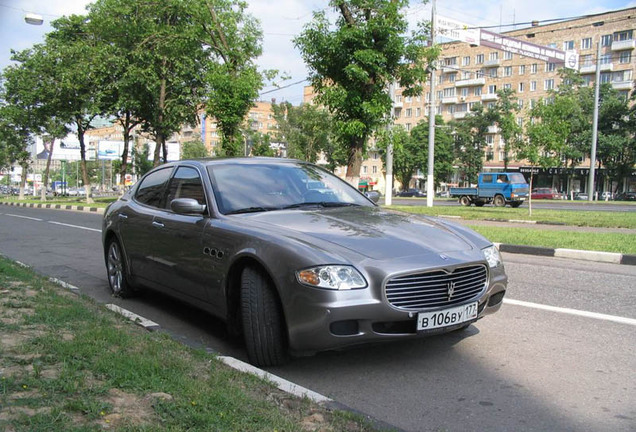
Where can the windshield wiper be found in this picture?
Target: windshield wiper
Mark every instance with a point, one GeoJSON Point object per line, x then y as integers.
{"type": "Point", "coordinates": [251, 210]}
{"type": "Point", "coordinates": [319, 204]}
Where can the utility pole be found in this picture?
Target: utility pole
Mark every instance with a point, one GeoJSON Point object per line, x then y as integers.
{"type": "Point", "coordinates": [430, 186]}
{"type": "Point", "coordinates": [388, 190]}
{"type": "Point", "coordinates": [597, 85]}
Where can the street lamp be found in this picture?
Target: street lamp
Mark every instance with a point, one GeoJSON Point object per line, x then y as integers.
{"type": "Point", "coordinates": [33, 19]}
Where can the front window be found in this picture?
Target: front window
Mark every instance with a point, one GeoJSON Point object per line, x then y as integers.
{"type": "Point", "coordinates": [256, 186]}
{"type": "Point", "coordinates": [150, 190]}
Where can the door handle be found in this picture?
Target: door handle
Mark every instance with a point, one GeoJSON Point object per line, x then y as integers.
{"type": "Point", "coordinates": [122, 216]}
{"type": "Point", "coordinates": [158, 224]}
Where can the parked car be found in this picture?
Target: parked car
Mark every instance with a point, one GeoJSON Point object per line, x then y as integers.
{"type": "Point", "coordinates": [412, 193]}
{"type": "Point", "coordinates": [581, 196]}
{"type": "Point", "coordinates": [625, 196]}
{"type": "Point", "coordinates": [545, 193]}
{"type": "Point", "coordinates": [607, 196]}
{"type": "Point", "coordinates": [293, 269]}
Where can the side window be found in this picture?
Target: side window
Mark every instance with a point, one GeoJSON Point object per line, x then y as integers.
{"type": "Point", "coordinates": [150, 191]}
{"type": "Point", "coordinates": [486, 178]}
{"type": "Point", "coordinates": [502, 178]}
{"type": "Point", "coordinates": [186, 183]}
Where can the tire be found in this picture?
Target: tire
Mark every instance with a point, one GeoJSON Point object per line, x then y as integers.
{"type": "Point", "coordinates": [117, 271]}
{"type": "Point", "coordinates": [516, 204]}
{"type": "Point", "coordinates": [264, 328]}
{"type": "Point", "coordinates": [499, 201]}
{"type": "Point", "coordinates": [464, 200]}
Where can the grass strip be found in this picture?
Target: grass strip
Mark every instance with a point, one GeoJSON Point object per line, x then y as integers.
{"type": "Point", "coordinates": [603, 219]}
{"type": "Point", "coordinates": [604, 242]}
{"type": "Point", "coordinates": [68, 364]}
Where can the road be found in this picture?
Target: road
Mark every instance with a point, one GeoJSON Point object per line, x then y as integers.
{"type": "Point", "coordinates": [614, 206]}
{"type": "Point", "coordinates": [522, 369]}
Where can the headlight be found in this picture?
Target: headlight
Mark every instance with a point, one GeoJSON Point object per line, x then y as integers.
{"type": "Point", "coordinates": [332, 277]}
{"type": "Point", "coordinates": [492, 256]}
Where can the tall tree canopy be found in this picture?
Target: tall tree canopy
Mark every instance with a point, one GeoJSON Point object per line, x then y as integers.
{"type": "Point", "coordinates": [353, 62]}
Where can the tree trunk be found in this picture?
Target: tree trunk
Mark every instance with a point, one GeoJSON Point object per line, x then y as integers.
{"type": "Point", "coordinates": [87, 185]}
{"type": "Point", "coordinates": [46, 173]}
{"type": "Point", "coordinates": [354, 162]}
{"type": "Point", "coordinates": [25, 167]}
{"type": "Point", "coordinates": [159, 135]}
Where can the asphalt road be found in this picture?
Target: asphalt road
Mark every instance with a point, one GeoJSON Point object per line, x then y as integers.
{"type": "Point", "coordinates": [614, 206]}
{"type": "Point", "coordinates": [522, 369]}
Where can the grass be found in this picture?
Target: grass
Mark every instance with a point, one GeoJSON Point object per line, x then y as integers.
{"type": "Point", "coordinates": [68, 364]}
{"type": "Point", "coordinates": [603, 219]}
{"type": "Point", "coordinates": [605, 242]}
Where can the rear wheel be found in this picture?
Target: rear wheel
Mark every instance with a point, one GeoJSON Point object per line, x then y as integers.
{"type": "Point", "coordinates": [262, 318]}
{"type": "Point", "coordinates": [499, 201]}
{"type": "Point", "coordinates": [117, 274]}
{"type": "Point", "coordinates": [464, 200]}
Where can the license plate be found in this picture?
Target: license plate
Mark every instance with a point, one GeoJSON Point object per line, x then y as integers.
{"type": "Point", "coordinates": [446, 317]}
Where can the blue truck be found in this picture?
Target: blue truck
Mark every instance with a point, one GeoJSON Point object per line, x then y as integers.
{"type": "Point", "coordinates": [498, 188]}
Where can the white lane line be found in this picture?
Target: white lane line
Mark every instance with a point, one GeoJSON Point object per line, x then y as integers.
{"type": "Point", "coordinates": [24, 217]}
{"type": "Point", "coordinates": [613, 318]}
{"type": "Point", "coordinates": [281, 383]}
{"type": "Point", "coordinates": [137, 319]}
{"type": "Point", "coordinates": [75, 226]}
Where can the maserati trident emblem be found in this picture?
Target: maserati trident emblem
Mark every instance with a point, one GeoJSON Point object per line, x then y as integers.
{"type": "Point", "coordinates": [442, 256]}
{"type": "Point", "coordinates": [450, 289]}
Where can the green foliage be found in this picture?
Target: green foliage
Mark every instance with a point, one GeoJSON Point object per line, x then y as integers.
{"type": "Point", "coordinates": [141, 159]}
{"type": "Point", "coordinates": [470, 141]}
{"type": "Point", "coordinates": [353, 61]}
{"type": "Point", "coordinates": [193, 150]}
{"type": "Point", "coordinates": [260, 144]}
{"type": "Point", "coordinates": [305, 130]}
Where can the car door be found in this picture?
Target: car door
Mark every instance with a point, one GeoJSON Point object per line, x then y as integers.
{"type": "Point", "coordinates": [135, 223]}
{"type": "Point", "coordinates": [183, 261]}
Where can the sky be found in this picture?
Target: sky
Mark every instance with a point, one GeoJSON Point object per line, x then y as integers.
{"type": "Point", "coordinates": [282, 20]}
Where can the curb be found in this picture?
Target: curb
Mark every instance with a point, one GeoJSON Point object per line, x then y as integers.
{"type": "Point", "coordinates": [57, 207]}
{"type": "Point", "coordinates": [604, 257]}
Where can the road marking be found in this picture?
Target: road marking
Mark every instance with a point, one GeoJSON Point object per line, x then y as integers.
{"type": "Point", "coordinates": [599, 316]}
{"type": "Point", "coordinates": [24, 217]}
{"type": "Point", "coordinates": [75, 226]}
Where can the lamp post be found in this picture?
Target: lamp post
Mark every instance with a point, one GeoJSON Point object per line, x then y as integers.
{"type": "Point", "coordinates": [33, 19]}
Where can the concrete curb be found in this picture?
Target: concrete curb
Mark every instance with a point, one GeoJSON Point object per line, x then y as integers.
{"type": "Point", "coordinates": [57, 207]}
{"type": "Point", "coordinates": [605, 257]}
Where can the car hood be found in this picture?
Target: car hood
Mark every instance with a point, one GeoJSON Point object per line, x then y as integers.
{"type": "Point", "coordinates": [369, 231]}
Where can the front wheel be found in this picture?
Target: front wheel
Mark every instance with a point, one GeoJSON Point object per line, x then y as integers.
{"type": "Point", "coordinates": [116, 267]}
{"type": "Point", "coordinates": [465, 201]}
{"type": "Point", "coordinates": [262, 317]}
{"type": "Point", "coordinates": [499, 201]}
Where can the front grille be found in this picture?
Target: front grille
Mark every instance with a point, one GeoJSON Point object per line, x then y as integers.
{"type": "Point", "coordinates": [431, 289]}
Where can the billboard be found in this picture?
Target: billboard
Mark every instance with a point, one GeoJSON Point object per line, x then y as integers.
{"type": "Point", "coordinates": [110, 150]}
{"type": "Point", "coordinates": [456, 30]}
{"type": "Point", "coordinates": [517, 46]}
{"type": "Point", "coordinates": [172, 147]}
{"type": "Point", "coordinates": [67, 148]}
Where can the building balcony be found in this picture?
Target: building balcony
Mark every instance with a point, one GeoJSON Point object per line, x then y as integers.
{"type": "Point", "coordinates": [460, 115]}
{"type": "Point", "coordinates": [492, 63]}
{"type": "Point", "coordinates": [449, 100]}
{"type": "Point", "coordinates": [493, 129]}
{"type": "Point", "coordinates": [590, 69]}
{"type": "Point", "coordinates": [470, 82]}
{"type": "Point", "coordinates": [398, 105]}
{"type": "Point", "coordinates": [622, 85]}
{"type": "Point", "coordinates": [449, 69]}
{"type": "Point", "coordinates": [489, 97]}
{"type": "Point", "coordinates": [624, 45]}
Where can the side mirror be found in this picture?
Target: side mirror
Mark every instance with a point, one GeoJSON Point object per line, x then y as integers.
{"type": "Point", "coordinates": [187, 206]}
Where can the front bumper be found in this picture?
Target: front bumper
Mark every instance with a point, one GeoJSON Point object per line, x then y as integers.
{"type": "Point", "coordinates": [321, 320]}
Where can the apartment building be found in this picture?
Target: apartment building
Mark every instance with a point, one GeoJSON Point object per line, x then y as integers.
{"type": "Point", "coordinates": [468, 75]}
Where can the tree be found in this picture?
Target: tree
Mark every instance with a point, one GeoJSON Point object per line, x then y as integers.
{"type": "Point", "coordinates": [444, 154]}
{"type": "Point", "coordinates": [193, 150]}
{"type": "Point", "coordinates": [470, 141]}
{"type": "Point", "coordinates": [408, 155]}
{"type": "Point", "coordinates": [305, 130]}
{"type": "Point", "coordinates": [503, 115]}
{"type": "Point", "coordinates": [352, 65]}
{"type": "Point", "coordinates": [260, 144]}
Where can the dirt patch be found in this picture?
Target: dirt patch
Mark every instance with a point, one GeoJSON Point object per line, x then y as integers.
{"type": "Point", "coordinates": [127, 409]}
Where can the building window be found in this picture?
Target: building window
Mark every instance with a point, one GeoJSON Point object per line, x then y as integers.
{"type": "Point", "coordinates": [522, 69]}
{"type": "Point", "coordinates": [533, 68]}
{"type": "Point", "coordinates": [521, 87]}
{"type": "Point", "coordinates": [418, 112]}
{"type": "Point", "coordinates": [494, 56]}
{"type": "Point", "coordinates": [408, 112]}
{"type": "Point", "coordinates": [452, 77]}
{"type": "Point", "coordinates": [450, 61]}
{"type": "Point", "coordinates": [449, 92]}
{"type": "Point", "coordinates": [465, 75]}
{"type": "Point", "coordinates": [550, 67]}
{"type": "Point", "coordinates": [466, 61]}
{"type": "Point", "coordinates": [492, 72]}
{"type": "Point", "coordinates": [625, 57]}
{"type": "Point", "coordinates": [548, 84]}
{"type": "Point", "coordinates": [586, 60]}
{"type": "Point", "coordinates": [606, 59]}
{"type": "Point", "coordinates": [520, 103]}
{"type": "Point", "coordinates": [465, 91]}
{"type": "Point", "coordinates": [408, 127]}
{"type": "Point", "coordinates": [586, 43]}
{"type": "Point", "coordinates": [623, 35]}
{"type": "Point", "coordinates": [479, 59]}
{"type": "Point", "coordinates": [520, 121]}
{"type": "Point", "coordinates": [552, 45]}
{"type": "Point", "coordinates": [492, 89]}
{"type": "Point", "coordinates": [533, 103]}
{"type": "Point", "coordinates": [507, 86]}
{"type": "Point", "coordinates": [533, 85]}
{"type": "Point", "coordinates": [479, 74]}
{"type": "Point", "coordinates": [568, 45]}
{"type": "Point", "coordinates": [508, 71]}
{"type": "Point", "coordinates": [507, 55]}
{"type": "Point", "coordinates": [375, 169]}
{"type": "Point", "coordinates": [490, 140]}
{"type": "Point", "coordinates": [606, 77]}
{"type": "Point", "coordinates": [408, 99]}
{"type": "Point", "coordinates": [478, 91]}
{"type": "Point", "coordinates": [606, 40]}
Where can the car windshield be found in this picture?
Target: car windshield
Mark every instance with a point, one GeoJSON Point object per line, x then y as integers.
{"type": "Point", "coordinates": [517, 178]}
{"type": "Point", "coordinates": [265, 186]}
